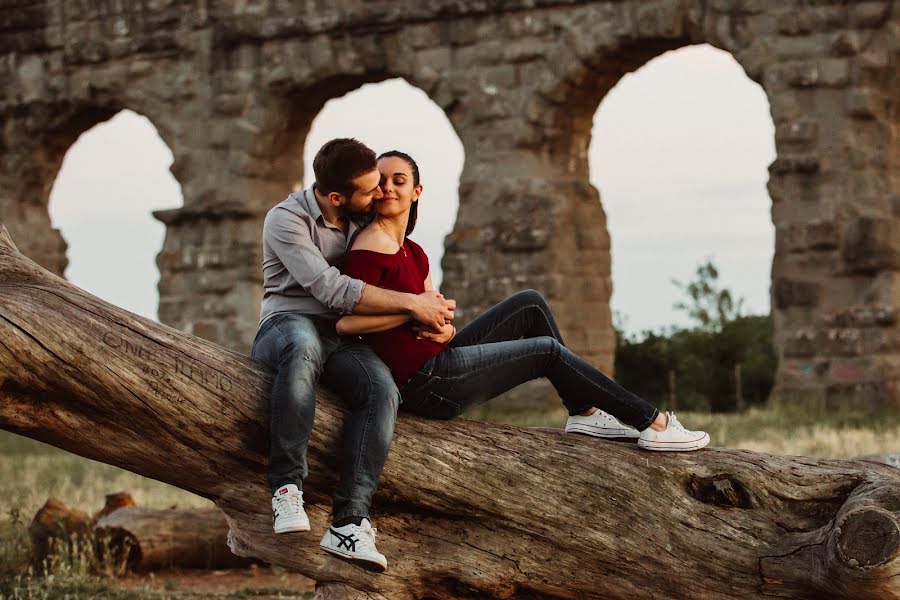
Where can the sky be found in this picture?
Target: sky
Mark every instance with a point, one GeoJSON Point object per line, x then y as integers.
{"type": "Point", "coordinates": [679, 153]}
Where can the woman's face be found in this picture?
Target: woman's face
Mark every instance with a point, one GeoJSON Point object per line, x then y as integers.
{"type": "Point", "coordinates": [397, 187]}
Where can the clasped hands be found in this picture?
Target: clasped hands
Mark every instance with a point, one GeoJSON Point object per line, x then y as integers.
{"type": "Point", "coordinates": [432, 317]}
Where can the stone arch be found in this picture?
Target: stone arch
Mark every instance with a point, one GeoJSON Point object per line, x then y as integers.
{"type": "Point", "coordinates": [406, 119]}
{"type": "Point", "coordinates": [113, 175]}
{"type": "Point", "coordinates": [595, 52]}
{"type": "Point", "coordinates": [36, 144]}
{"type": "Point", "coordinates": [682, 124]}
{"type": "Point", "coordinates": [833, 261]}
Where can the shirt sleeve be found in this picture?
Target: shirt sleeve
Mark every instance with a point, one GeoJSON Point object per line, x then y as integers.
{"type": "Point", "coordinates": [288, 237]}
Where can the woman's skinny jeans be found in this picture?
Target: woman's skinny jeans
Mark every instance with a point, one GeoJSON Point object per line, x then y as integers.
{"type": "Point", "coordinates": [511, 343]}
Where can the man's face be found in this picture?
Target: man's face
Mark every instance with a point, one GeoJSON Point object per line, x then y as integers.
{"type": "Point", "coordinates": [366, 191]}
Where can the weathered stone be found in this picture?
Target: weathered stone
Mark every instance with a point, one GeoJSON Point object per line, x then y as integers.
{"type": "Point", "coordinates": [864, 316]}
{"type": "Point", "coordinates": [869, 14]}
{"type": "Point", "coordinates": [796, 132]}
{"type": "Point", "coordinates": [788, 293]}
{"type": "Point", "coordinates": [834, 72]}
{"type": "Point", "coordinates": [795, 22]}
{"type": "Point", "coordinates": [805, 164]}
{"type": "Point", "coordinates": [870, 244]}
{"type": "Point", "coordinates": [846, 43]}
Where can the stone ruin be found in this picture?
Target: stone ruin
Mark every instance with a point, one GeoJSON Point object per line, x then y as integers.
{"type": "Point", "coordinates": [233, 85]}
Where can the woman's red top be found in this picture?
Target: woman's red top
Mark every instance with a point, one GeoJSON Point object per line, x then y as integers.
{"type": "Point", "coordinates": [404, 271]}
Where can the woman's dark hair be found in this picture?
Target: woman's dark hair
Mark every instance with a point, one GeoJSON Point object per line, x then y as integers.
{"type": "Point", "coordinates": [414, 208]}
{"type": "Point", "coordinates": [339, 162]}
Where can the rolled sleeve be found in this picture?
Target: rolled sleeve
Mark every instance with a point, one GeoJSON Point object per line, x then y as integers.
{"type": "Point", "coordinates": [289, 238]}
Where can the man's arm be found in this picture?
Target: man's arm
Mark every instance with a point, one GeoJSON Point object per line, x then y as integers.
{"type": "Point", "coordinates": [289, 238]}
{"type": "Point", "coordinates": [429, 308]}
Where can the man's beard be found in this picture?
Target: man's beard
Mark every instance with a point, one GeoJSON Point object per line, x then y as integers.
{"type": "Point", "coordinates": [365, 215]}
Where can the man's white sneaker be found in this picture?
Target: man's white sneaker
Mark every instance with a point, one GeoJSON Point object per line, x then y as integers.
{"type": "Point", "coordinates": [355, 542]}
{"type": "Point", "coordinates": [287, 510]}
{"type": "Point", "coordinates": [601, 425]}
{"type": "Point", "coordinates": [674, 439]}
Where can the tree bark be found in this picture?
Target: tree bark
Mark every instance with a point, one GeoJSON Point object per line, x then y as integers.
{"type": "Point", "coordinates": [144, 539]}
{"type": "Point", "coordinates": [465, 509]}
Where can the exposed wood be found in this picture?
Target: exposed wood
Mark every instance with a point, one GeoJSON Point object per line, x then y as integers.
{"type": "Point", "coordinates": [465, 509]}
{"type": "Point", "coordinates": [145, 539]}
{"type": "Point", "coordinates": [129, 537]}
{"type": "Point", "coordinates": [57, 529]}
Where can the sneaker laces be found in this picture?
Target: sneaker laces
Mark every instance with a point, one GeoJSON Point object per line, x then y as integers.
{"type": "Point", "coordinates": [673, 422]}
{"type": "Point", "coordinates": [292, 504]}
{"type": "Point", "coordinates": [368, 538]}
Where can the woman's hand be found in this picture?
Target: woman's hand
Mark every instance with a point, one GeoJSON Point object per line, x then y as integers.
{"type": "Point", "coordinates": [447, 333]}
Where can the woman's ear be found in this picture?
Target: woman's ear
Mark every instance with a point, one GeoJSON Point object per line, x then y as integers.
{"type": "Point", "coordinates": [418, 190]}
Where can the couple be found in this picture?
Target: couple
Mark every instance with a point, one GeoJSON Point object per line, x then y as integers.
{"type": "Point", "coordinates": [320, 299]}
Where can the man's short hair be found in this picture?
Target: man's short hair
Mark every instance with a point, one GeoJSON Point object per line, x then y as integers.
{"type": "Point", "coordinates": [339, 162]}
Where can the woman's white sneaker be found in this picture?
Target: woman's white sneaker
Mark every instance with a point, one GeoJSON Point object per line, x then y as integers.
{"type": "Point", "coordinates": [674, 439]}
{"type": "Point", "coordinates": [287, 510]}
{"type": "Point", "coordinates": [355, 542]}
{"type": "Point", "coordinates": [601, 425]}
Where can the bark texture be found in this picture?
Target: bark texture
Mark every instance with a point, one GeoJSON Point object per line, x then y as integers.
{"type": "Point", "coordinates": [465, 509]}
{"type": "Point", "coordinates": [146, 539]}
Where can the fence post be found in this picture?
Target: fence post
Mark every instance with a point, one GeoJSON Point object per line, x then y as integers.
{"type": "Point", "coordinates": [739, 388]}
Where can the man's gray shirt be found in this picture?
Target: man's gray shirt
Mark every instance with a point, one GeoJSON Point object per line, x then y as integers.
{"type": "Point", "coordinates": [302, 259]}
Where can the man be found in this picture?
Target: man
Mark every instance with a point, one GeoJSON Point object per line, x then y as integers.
{"type": "Point", "coordinates": [305, 238]}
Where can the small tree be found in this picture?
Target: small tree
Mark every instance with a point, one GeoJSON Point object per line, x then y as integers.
{"type": "Point", "coordinates": [708, 305]}
{"type": "Point", "coordinates": [701, 357]}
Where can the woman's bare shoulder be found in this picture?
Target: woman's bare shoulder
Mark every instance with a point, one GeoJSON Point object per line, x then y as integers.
{"type": "Point", "coordinates": [374, 239]}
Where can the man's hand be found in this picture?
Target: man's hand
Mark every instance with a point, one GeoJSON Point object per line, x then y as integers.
{"type": "Point", "coordinates": [432, 310]}
{"type": "Point", "coordinates": [448, 331]}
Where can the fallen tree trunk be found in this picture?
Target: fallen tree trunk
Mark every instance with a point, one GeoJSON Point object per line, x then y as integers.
{"type": "Point", "coordinates": [124, 536]}
{"type": "Point", "coordinates": [144, 539]}
{"type": "Point", "coordinates": [465, 509]}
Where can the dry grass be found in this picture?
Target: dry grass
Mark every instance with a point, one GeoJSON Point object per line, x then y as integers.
{"type": "Point", "coordinates": [780, 430]}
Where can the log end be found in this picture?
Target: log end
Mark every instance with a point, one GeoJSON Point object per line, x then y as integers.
{"type": "Point", "coordinates": [114, 502]}
{"type": "Point", "coordinates": [867, 538]}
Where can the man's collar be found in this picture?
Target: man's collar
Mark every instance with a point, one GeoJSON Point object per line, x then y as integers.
{"type": "Point", "coordinates": [310, 204]}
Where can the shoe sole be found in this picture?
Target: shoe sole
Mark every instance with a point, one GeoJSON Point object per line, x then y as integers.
{"type": "Point", "coordinates": [618, 436]}
{"type": "Point", "coordinates": [675, 446]}
{"type": "Point", "coordinates": [365, 563]}
{"type": "Point", "coordinates": [293, 528]}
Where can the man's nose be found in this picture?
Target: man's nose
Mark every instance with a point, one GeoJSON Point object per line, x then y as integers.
{"type": "Point", "coordinates": [379, 192]}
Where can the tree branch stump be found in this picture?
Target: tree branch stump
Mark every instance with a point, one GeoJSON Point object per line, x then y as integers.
{"type": "Point", "coordinates": [465, 509]}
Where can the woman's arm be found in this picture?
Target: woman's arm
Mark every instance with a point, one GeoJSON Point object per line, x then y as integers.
{"type": "Point", "coordinates": [446, 333]}
{"type": "Point", "coordinates": [360, 324]}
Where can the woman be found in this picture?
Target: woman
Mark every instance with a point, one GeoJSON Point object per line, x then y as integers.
{"type": "Point", "coordinates": [442, 374]}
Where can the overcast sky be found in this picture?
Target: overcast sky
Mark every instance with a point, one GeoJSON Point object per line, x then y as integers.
{"type": "Point", "coordinates": [679, 153]}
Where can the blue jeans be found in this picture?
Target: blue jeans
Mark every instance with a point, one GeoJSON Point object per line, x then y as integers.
{"type": "Point", "coordinates": [301, 349]}
{"type": "Point", "coordinates": [511, 343]}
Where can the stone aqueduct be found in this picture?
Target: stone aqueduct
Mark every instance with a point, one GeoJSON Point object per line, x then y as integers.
{"type": "Point", "coordinates": [233, 85]}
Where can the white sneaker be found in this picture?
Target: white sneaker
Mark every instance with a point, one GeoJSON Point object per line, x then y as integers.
{"type": "Point", "coordinates": [355, 542]}
{"type": "Point", "coordinates": [287, 510]}
{"type": "Point", "coordinates": [601, 425]}
{"type": "Point", "coordinates": [674, 439]}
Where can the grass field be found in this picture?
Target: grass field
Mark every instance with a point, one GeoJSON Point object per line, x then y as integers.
{"type": "Point", "coordinates": [30, 472]}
